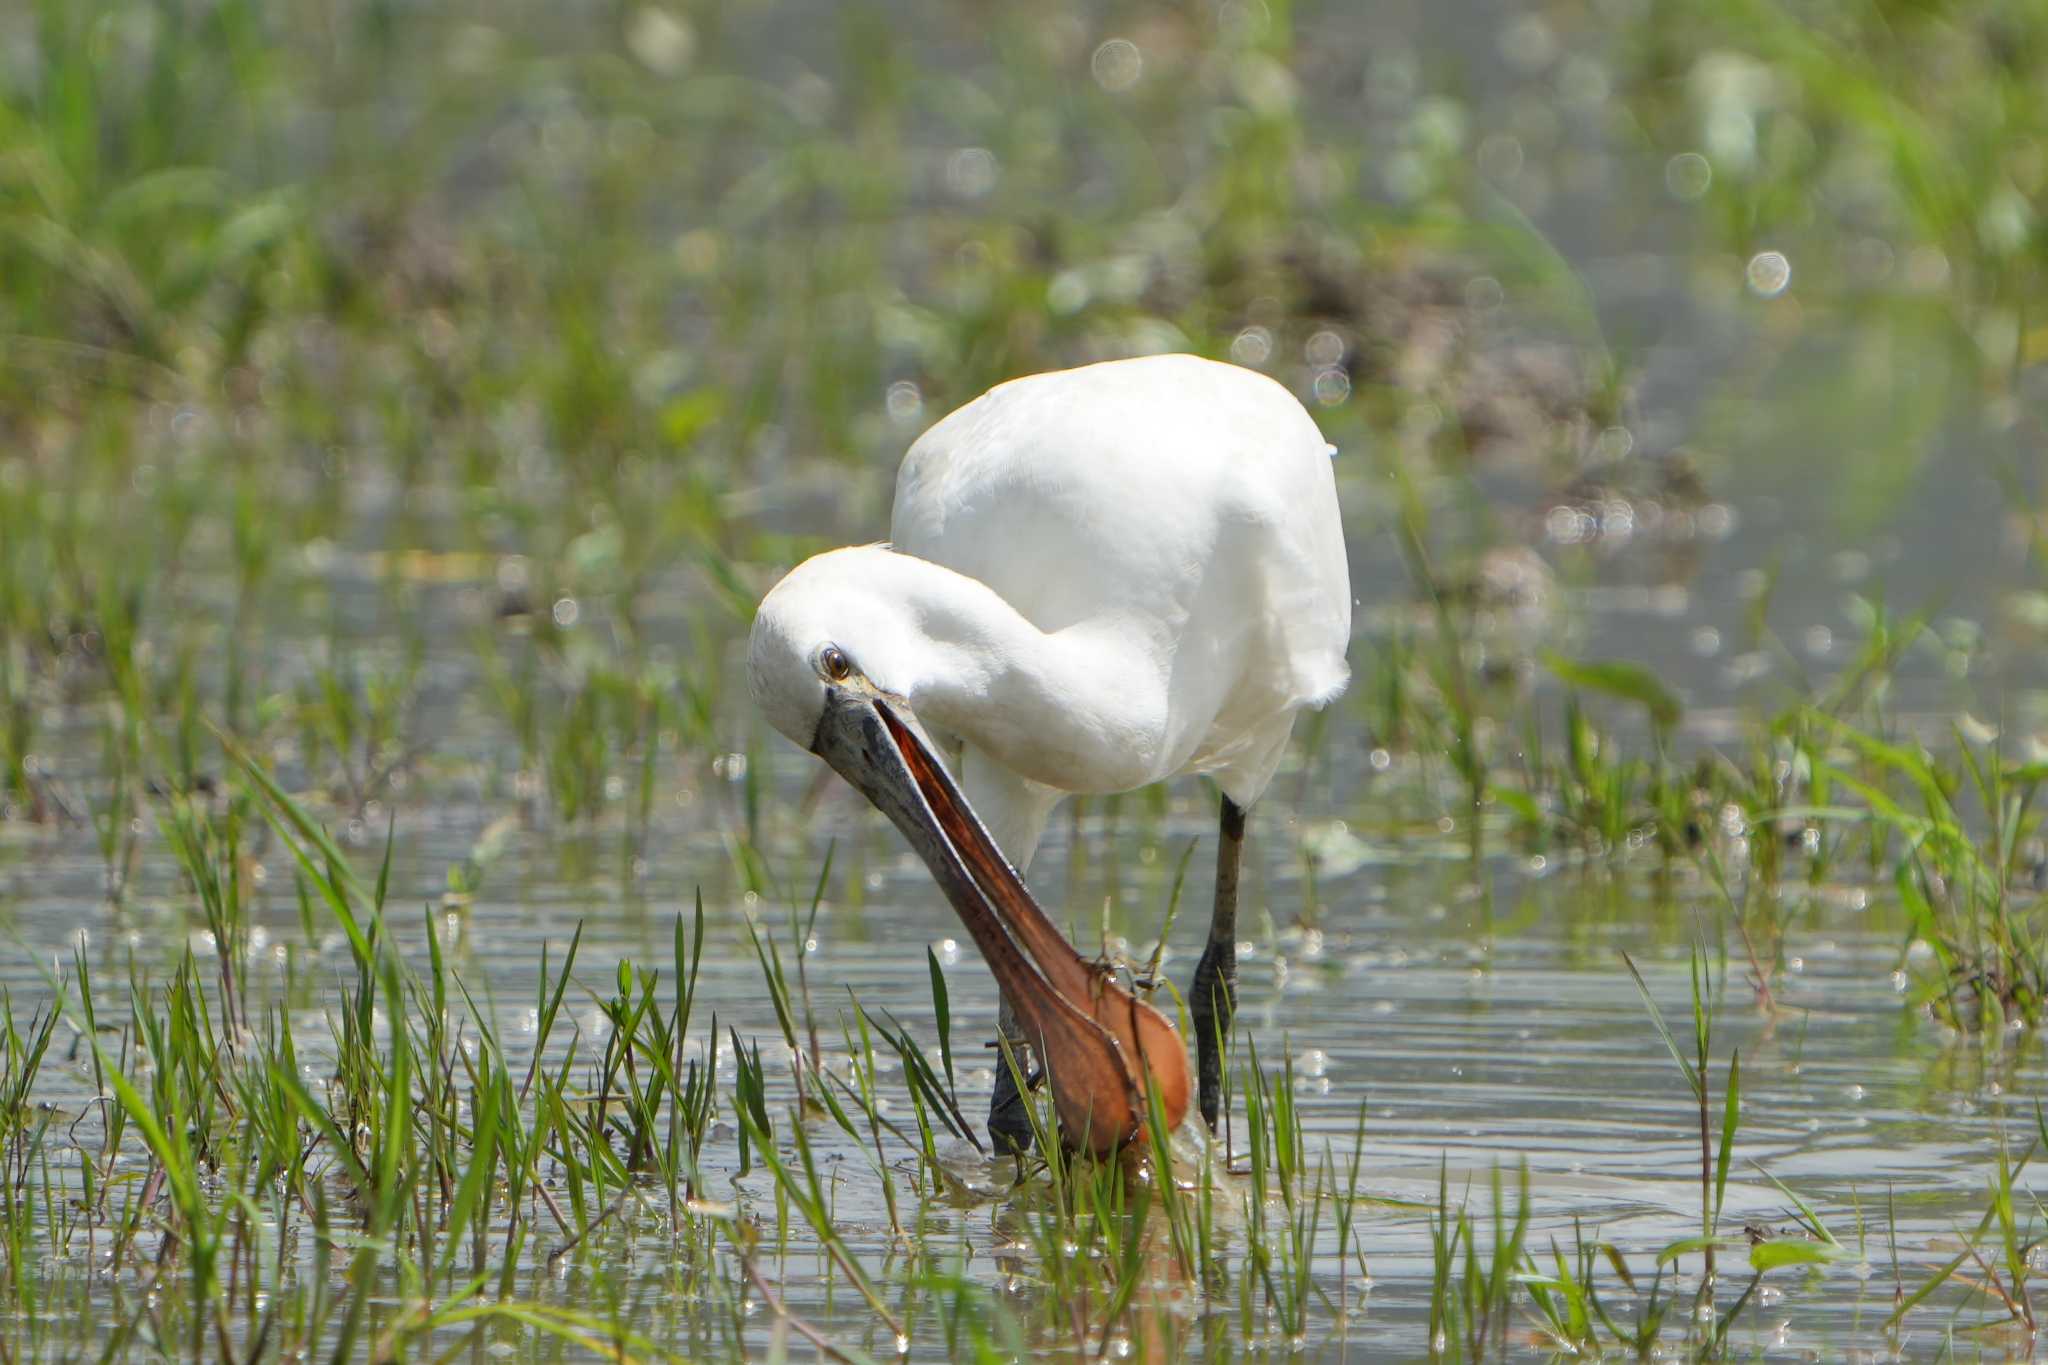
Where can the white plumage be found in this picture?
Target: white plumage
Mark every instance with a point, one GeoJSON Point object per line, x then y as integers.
{"type": "Point", "coordinates": [1174, 524]}
{"type": "Point", "coordinates": [1096, 579]}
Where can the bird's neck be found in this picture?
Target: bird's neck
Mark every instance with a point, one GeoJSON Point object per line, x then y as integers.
{"type": "Point", "coordinates": [1068, 709]}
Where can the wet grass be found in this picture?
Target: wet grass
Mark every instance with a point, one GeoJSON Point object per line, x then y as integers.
{"type": "Point", "coordinates": [396, 1179]}
{"type": "Point", "coordinates": [400, 1182]}
{"type": "Point", "coordinates": [393, 1179]}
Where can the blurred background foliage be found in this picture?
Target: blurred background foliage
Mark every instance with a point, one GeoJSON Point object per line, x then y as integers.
{"type": "Point", "coordinates": [605, 311]}
{"type": "Point", "coordinates": [424, 391]}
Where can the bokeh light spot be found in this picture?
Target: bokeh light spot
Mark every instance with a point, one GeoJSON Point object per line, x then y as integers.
{"type": "Point", "coordinates": [1769, 272]}
{"type": "Point", "coordinates": [1117, 64]}
{"type": "Point", "coordinates": [1688, 175]}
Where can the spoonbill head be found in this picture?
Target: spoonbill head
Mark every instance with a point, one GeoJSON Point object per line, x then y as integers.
{"type": "Point", "coordinates": [1103, 1047]}
{"type": "Point", "coordinates": [1097, 579]}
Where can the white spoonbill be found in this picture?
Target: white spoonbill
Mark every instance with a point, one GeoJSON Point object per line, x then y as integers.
{"type": "Point", "coordinates": [1096, 579]}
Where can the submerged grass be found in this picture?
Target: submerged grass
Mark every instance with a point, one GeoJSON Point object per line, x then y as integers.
{"type": "Point", "coordinates": [398, 1177]}
{"type": "Point", "coordinates": [401, 1179]}
{"type": "Point", "coordinates": [251, 1181]}
{"type": "Point", "coordinates": [393, 1178]}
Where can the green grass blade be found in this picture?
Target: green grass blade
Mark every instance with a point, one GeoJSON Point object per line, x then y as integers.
{"type": "Point", "coordinates": [1731, 1113]}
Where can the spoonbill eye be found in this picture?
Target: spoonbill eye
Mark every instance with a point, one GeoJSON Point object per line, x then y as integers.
{"type": "Point", "coordinates": [834, 664]}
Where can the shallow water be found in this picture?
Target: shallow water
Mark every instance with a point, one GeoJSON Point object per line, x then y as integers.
{"type": "Point", "coordinates": [1474, 1049]}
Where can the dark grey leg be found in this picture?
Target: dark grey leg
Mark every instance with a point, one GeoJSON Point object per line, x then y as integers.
{"type": "Point", "coordinates": [1009, 1126]}
{"type": "Point", "coordinates": [1212, 995]}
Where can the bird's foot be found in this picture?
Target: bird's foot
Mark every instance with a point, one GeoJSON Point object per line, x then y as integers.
{"type": "Point", "coordinates": [1212, 1005]}
{"type": "Point", "coordinates": [1009, 1114]}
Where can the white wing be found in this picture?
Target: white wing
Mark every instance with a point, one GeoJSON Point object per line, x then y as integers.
{"type": "Point", "coordinates": [1187, 502]}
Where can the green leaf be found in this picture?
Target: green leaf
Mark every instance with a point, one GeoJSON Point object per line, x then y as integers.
{"type": "Point", "coordinates": [1615, 1259]}
{"type": "Point", "coordinates": [824, 1095]}
{"type": "Point", "coordinates": [1657, 1018]}
{"type": "Point", "coordinates": [1807, 1216]}
{"type": "Point", "coordinates": [1685, 1246]}
{"type": "Point", "coordinates": [171, 1152]}
{"type": "Point", "coordinates": [1520, 802]}
{"type": "Point", "coordinates": [1730, 1116]}
{"type": "Point", "coordinates": [1629, 682]}
{"type": "Point", "coordinates": [688, 948]}
{"type": "Point", "coordinates": [686, 417]}
{"type": "Point", "coordinates": [1908, 762]}
{"type": "Point", "coordinates": [337, 883]}
{"type": "Point", "coordinates": [942, 1010]}
{"type": "Point", "coordinates": [482, 1162]}
{"type": "Point", "coordinates": [1912, 1300]}
{"type": "Point", "coordinates": [918, 1072]}
{"type": "Point", "coordinates": [1793, 1251]}
{"type": "Point", "coordinates": [384, 868]}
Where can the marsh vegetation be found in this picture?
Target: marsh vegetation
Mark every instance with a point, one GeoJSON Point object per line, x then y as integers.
{"type": "Point", "coordinates": [417, 948]}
